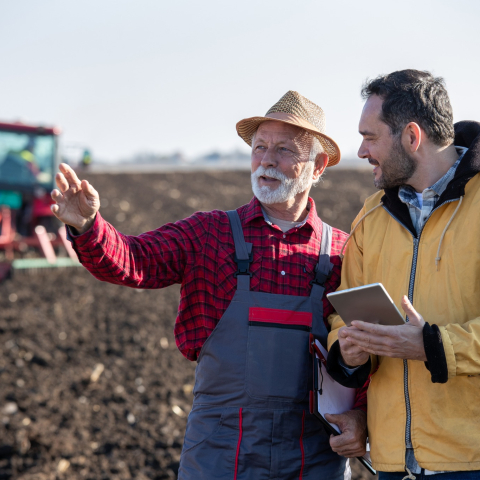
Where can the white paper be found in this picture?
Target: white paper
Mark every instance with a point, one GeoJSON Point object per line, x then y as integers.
{"type": "Point", "coordinates": [335, 398]}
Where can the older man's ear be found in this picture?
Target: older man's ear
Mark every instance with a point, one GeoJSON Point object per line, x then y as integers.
{"type": "Point", "coordinates": [321, 161]}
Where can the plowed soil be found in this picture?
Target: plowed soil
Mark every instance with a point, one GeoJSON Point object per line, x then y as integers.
{"type": "Point", "coordinates": [92, 384]}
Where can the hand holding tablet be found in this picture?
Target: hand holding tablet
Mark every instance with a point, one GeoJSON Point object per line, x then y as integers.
{"type": "Point", "coordinates": [369, 303]}
{"type": "Point", "coordinates": [381, 329]}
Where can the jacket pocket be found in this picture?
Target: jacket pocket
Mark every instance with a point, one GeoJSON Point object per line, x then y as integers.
{"type": "Point", "coordinates": [278, 358]}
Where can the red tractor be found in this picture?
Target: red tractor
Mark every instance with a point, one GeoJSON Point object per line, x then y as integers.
{"type": "Point", "coordinates": [30, 235]}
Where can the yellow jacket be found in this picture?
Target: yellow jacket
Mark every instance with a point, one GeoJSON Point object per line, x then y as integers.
{"type": "Point", "coordinates": [441, 273]}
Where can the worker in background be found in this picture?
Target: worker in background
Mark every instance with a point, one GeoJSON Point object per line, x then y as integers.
{"type": "Point", "coordinates": [86, 159]}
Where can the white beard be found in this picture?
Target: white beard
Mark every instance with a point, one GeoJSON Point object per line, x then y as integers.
{"type": "Point", "coordinates": [288, 188]}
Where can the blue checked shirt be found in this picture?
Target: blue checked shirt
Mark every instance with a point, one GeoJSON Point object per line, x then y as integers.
{"type": "Point", "coordinates": [421, 205]}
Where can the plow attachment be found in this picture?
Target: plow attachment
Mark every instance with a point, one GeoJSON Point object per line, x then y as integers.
{"type": "Point", "coordinates": [41, 242]}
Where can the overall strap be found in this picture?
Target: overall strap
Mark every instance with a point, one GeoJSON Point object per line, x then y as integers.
{"type": "Point", "coordinates": [243, 251]}
{"type": "Point", "coordinates": [323, 271]}
{"type": "Point", "coordinates": [324, 267]}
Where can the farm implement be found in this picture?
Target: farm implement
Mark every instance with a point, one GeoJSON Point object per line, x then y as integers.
{"type": "Point", "coordinates": [31, 237]}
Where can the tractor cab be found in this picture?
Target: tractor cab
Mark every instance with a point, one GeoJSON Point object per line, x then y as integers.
{"type": "Point", "coordinates": [28, 162]}
{"type": "Point", "coordinates": [28, 157]}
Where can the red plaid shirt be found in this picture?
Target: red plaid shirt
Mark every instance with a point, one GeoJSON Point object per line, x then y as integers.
{"type": "Point", "coordinates": [198, 253]}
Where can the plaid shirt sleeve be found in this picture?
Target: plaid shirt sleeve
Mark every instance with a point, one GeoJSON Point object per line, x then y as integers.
{"type": "Point", "coordinates": [153, 259]}
{"type": "Point", "coordinates": [361, 397]}
{"type": "Point", "coordinates": [197, 252]}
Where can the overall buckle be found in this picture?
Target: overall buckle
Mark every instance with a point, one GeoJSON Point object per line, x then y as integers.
{"type": "Point", "coordinates": [243, 266]}
{"type": "Point", "coordinates": [320, 278]}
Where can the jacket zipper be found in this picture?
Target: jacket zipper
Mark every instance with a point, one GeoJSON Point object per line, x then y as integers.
{"type": "Point", "coordinates": [413, 271]}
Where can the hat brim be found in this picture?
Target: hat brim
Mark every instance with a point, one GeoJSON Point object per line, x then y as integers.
{"type": "Point", "coordinates": [248, 126]}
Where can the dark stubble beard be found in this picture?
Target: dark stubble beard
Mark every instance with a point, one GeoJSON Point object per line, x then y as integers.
{"type": "Point", "coordinates": [397, 169]}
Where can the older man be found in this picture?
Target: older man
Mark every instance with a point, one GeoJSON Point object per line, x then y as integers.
{"type": "Point", "coordinates": [419, 236]}
{"type": "Point", "coordinates": [253, 283]}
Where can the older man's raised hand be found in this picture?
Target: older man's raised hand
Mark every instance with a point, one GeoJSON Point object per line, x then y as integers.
{"type": "Point", "coordinates": [76, 202]}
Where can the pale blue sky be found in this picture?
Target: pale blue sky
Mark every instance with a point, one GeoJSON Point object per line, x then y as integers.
{"type": "Point", "coordinates": [124, 77]}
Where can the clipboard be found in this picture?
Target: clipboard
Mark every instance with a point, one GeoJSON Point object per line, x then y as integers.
{"type": "Point", "coordinates": [328, 396]}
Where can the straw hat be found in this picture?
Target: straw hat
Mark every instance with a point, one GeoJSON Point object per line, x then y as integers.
{"type": "Point", "coordinates": [296, 110]}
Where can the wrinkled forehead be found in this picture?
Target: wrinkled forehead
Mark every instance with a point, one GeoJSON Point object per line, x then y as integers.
{"type": "Point", "coordinates": [277, 132]}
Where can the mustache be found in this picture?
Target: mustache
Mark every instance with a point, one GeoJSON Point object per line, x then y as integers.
{"type": "Point", "coordinates": [268, 172]}
{"type": "Point", "coordinates": [372, 161]}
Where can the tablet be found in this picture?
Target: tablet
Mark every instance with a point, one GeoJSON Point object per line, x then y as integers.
{"type": "Point", "coordinates": [370, 303]}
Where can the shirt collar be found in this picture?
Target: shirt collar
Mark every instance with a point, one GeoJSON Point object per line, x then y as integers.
{"type": "Point", "coordinates": [440, 185]}
{"type": "Point", "coordinates": [254, 210]}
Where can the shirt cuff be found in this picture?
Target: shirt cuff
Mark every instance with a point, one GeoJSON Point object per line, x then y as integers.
{"type": "Point", "coordinates": [347, 370]}
{"type": "Point", "coordinates": [88, 238]}
{"type": "Point", "coordinates": [354, 380]}
{"type": "Point", "coordinates": [436, 360]}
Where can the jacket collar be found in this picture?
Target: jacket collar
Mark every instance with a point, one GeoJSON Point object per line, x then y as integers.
{"type": "Point", "coordinates": [467, 134]}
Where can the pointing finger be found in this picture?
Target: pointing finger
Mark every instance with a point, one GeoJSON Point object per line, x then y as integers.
{"type": "Point", "coordinates": [413, 316]}
{"type": "Point", "coordinates": [69, 173]}
{"type": "Point", "coordinates": [61, 182]}
{"type": "Point", "coordinates": [407, 306]}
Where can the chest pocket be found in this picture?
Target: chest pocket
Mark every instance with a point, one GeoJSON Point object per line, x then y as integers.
{"type": "Point", "coordinates": [277, 354]}
{"type": "Point", "coordinates": [226, 268]}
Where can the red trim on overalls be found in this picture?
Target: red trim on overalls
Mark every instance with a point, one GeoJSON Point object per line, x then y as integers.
{"type": "Point", "coordinates": [285, 317]}
{"type": "Point", "coordinates": [301, 447]}
{"type": "Point", "coordinates": [239, 441]}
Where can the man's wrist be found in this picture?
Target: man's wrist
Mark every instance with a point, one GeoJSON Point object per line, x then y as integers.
{"type": "Point", "coordinates": [76, 231]}
{"type": "Point", "coordinates": [348, 368]}
{"type": "Point", "coordinates": [355, 380]}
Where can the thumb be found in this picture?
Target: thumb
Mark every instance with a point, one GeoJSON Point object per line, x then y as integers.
{"type": "Point", "coordinates": [336, 419]}
{"type": "Point", "coordinates": [414, 318]}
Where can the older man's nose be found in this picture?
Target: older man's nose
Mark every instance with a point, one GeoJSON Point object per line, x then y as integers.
{"type": "Point", "coordinates": [269, 158]}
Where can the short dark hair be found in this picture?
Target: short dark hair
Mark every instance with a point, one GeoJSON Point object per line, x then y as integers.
{"type": "Point", "coordinates": [414, 96]}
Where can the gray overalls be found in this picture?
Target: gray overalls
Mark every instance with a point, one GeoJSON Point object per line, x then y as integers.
{"type": "Point", "coordinates": [250, 417]}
